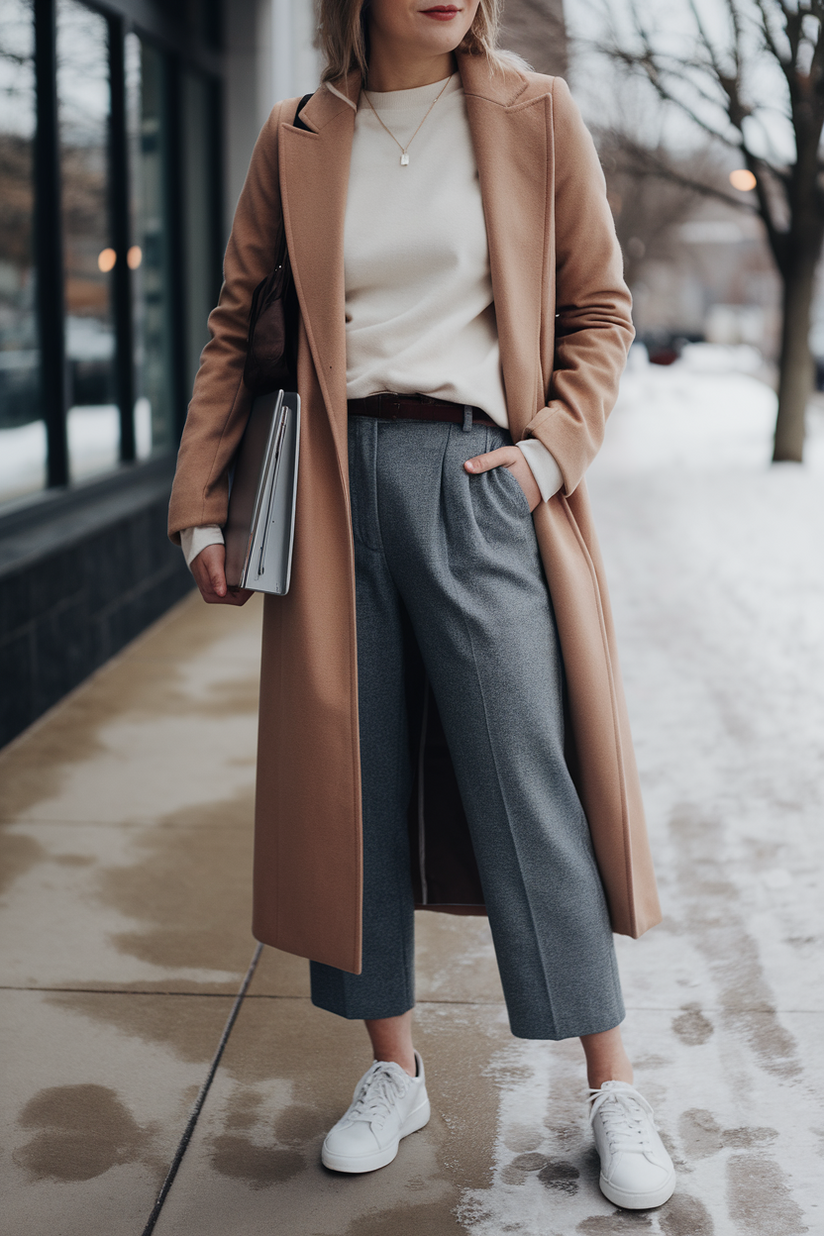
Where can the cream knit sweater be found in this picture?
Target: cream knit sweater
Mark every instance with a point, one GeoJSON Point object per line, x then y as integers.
{"type": "Point", "coordinates": [419, 311]}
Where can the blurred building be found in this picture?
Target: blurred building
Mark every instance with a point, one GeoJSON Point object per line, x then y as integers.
{"type": "Point", "coordinates": [125, 132]}
{"type": "Point", "coordinates": [697, 268]}
{"type": "Point", "coordinates": [711, 277]}
{"type": "Point", "coordinates": [536, 30]}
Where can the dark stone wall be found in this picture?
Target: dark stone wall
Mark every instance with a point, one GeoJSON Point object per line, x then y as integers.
{"type": "Point", "coordinates": [80, 577]}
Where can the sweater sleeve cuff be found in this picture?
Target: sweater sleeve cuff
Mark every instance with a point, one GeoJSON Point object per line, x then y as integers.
{"type": "Point", "coordinates": [193, 540]}
{"type": "Point", "coordinates": [543, 466]}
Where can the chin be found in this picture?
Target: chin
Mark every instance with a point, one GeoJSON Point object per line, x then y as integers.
{"type": "Point", "coordinates": [440, 39]}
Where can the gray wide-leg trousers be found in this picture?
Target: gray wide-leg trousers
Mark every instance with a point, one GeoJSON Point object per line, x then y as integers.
{"type": "Point", "coordinates": [452, 561]}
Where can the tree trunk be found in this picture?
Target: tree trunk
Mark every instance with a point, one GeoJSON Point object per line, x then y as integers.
{"type": "Point", "coordinates": [795, 381]}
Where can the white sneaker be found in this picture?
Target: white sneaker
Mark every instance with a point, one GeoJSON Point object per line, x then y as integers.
{"type": "Point", "coordinates": [636, 1171]}
{"type": "Point", "coordinates": [388, 1104]}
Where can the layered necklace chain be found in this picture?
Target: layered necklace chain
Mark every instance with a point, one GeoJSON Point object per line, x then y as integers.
{"type": "Point", "coordinates": [404, 149]}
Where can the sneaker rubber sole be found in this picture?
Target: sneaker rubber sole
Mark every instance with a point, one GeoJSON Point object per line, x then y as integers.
{"type": "Point", "coordinates": [371, 1162]}
{"type": "Point", "coordinates": [638, 1201]}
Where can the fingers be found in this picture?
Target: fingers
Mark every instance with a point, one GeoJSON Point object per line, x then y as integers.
{"type": "Point", "coordinates": [522, 472]}
{"type": "Point", "coordinates": [210, 577]}
{"type": "Point", "coordinates": [504, 456]}
{"type": "Point", "coordinates": [236, 596]}
{"type": "Point", "coordinates": [217, 579]}
{"type": "Point", "coordinates": [513, 459]}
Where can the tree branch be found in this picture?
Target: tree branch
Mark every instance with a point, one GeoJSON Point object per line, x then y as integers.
{"type": "Point", "coordinates": [652, 72]}
{"type": "Point", "coordinates": [641, 161]}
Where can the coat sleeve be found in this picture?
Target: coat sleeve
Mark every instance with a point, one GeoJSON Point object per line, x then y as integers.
{"type": "Point", "coordinates": [593, 324]}
{"type": "Point", "coordinates": [220, 402]}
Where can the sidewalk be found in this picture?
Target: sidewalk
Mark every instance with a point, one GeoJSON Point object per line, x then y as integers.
{"type": "Point", "coordinates": [124, 923]}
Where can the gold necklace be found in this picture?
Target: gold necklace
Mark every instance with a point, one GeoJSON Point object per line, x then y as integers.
{"type": "Point", "coordinates": [404, 149]}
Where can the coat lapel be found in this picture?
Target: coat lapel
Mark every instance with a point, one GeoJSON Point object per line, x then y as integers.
{"type": "Point", "coordinates": [314, 178]}
{"type": "Point", "coordinates": [509, 125]}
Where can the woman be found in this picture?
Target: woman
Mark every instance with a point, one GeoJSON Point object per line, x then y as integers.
{"type": "Point", "coordinates": [463, 324]}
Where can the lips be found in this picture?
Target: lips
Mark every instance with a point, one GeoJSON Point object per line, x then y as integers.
{"type": "Point", "coordinates": [441, 10]}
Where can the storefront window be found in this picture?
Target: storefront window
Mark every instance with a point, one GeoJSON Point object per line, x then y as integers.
{"type": "Point", "coordinates": [84, 104]}
{"type": "Point", "coordinates": [200, 232]}
{"type": "Point", "coordinates": [109, 190]}
{"type": "Point", "coordinates": [147, 88]}
{"type": "Point", "coordinates": [22, 431]}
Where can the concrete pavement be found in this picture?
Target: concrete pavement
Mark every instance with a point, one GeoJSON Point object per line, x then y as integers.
{"type": "Point", "coordinates": [124, 924]}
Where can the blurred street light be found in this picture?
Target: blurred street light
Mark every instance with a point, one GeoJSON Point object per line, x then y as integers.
{"type": "Point", "coordinates": [742, 179]}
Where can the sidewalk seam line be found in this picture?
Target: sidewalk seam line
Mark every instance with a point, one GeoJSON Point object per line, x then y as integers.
{"type": "Point", "coordinates": [267, 995]}
{"type": "Point", "coordinates": [201, 1098]}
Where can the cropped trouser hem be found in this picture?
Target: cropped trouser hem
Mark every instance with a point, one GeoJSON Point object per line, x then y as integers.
{"type": "Point", "coordinates": [371, 1011]}
{"type": "Point", "coordinates": [449, 579]}
{"type": "Point", "coordinates": [336, 996]}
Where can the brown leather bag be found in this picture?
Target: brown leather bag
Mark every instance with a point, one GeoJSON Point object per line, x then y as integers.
{"type": "Point", "coordinates": [271, 349]}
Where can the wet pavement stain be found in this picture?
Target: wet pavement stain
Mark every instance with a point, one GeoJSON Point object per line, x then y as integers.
{"type": "Point", "coordinates": [731, 953]}
{"type": "Point", "coordinates": [18, 854]}
{"type": "Point", "coordinates": [559, 1175]}
{"type": "Point", "coordinates": [692, 1027]}
{"type": "Point", "coordinates": [615, 1224]}
{"type": "Point", "coordinates": [703, 1136]}
{"type": "Point", "coordinates": [140, 684]}
{"type": "Point", "coordinates": [189, 1026]}
{"type": "Point", "coordinates": [73, 860]}
{"type": "Point", "coordinates": [529, 1162]}
{"type": "Point", "coordinates": [701, 1133]}
{"type": "Point", "coordinates": [260, 1151]}
{"type": "Point", "coordinates": [521, 1138]}
{"type": "Point", "coordinates": [590, 1162]}
{"type": "Point", "coordinates": [240, 696]}
{"type": "Point", "coordinates": [685, 1216]}
{"type": "Point", "coordinates": [191, 886]}
{"type": "Point", "coordinates": [742, 1138]}
{"type": "Point", "coordinates": [81, 1132]}
{"type": "Point", "coordinates": [243, 1110]}
{"type": "Point", "coordinates": [770, 1042]}
{"type": "Point", "coordinates": [517, 1172]}
{"type": "Point", "coordinates": [299, 1125]}
{"type": "Point", "coordinates": [259, 1166]}
{"type": "Point", "coordinates": [303, 1063]}
{"type": "Point", "coordinates": [36, 766]}
{"type": "Point", "coordinates": [759, 1197]}
{"type": "Point", "coordinates": [432, 1219]}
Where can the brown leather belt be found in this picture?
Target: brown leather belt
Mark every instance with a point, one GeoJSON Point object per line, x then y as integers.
{"type": "Point", "coordinates": [391, 407]}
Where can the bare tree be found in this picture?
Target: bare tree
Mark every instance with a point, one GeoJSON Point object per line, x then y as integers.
{"type": "Point", "coordinates": [651, 192]}
{"type": "Point", "coordinates": [711, 75]}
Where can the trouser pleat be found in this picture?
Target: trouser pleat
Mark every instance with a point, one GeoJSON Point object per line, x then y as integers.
{"type": "Point", "coordinates": [451, 561]}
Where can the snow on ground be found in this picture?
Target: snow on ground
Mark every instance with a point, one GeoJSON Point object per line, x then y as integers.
{"type": "Point", "coordinates": [94, 447]}
{"type": "Point", "coordinates": [716, 571]}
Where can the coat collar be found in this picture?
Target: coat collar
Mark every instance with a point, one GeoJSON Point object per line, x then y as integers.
{"type": "Point", "coordinates": [503, 84]}
{"type": "Point", "coordinates": [510, 142]}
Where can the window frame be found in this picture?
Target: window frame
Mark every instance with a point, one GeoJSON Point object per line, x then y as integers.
{"type": "Point", "coordinates": [183, 47]}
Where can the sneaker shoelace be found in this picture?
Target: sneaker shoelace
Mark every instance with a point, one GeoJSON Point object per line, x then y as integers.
{"type": "Point", "coordinates": [626, 1117]}
{"type": "Point", "coordinates": [379, 1093]}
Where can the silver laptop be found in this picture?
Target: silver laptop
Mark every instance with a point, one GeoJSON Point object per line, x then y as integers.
{"type": "Point", "coordinates": [260, 529]}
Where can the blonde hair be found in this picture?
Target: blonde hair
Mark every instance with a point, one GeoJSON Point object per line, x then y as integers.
{"type": "Point", "coordinates": [343, 36]}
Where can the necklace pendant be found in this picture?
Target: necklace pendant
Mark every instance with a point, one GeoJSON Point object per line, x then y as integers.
{"type": "Point", "coordinates": [404, 159]}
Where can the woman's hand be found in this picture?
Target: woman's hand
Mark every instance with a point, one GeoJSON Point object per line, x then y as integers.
{"type": "Point", "coordinates": [511, 458]}
{"type": "Point", "coordinates": [209, 571]}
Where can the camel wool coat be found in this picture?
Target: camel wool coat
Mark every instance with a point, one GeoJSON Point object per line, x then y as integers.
{"type": "Point", "coordinates": [563, 314]}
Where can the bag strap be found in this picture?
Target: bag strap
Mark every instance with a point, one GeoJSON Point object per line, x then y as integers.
{"type": "Point", "coordinates": [281, 256]}
{"type": "Point", "coordinates": [297, 122]}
